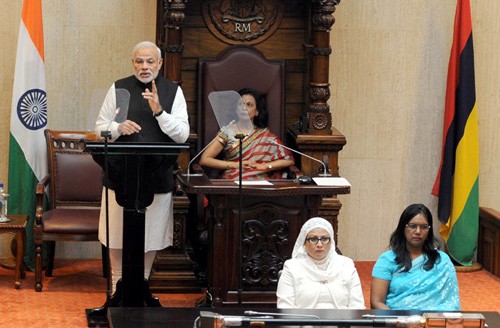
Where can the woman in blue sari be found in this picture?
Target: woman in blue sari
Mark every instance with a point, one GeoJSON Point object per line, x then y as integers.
{"type": "Point", "coordinates": [414, 274]}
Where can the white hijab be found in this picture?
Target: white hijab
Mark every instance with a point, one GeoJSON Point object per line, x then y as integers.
{"type": "Point", "coordinates": [326, 268]}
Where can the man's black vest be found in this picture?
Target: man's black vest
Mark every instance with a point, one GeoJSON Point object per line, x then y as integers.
{"type": "Point", "coordinates": [161, 167]}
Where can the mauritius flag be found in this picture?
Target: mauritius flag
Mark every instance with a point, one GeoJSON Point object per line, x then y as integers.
{"type": "Point", "coordinates": [27, 152]}
{"type": "Point", "coordinates": [458, 177]}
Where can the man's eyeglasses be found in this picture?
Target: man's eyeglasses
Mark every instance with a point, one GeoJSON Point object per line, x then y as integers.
{"type": "Point", "coordinates": [413, 226]}
{"type": "Point", "coordinates": [314, 240]}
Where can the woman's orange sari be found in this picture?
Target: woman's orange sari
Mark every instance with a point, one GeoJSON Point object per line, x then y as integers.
{"type": "Point", "coordinates": [259, 147]}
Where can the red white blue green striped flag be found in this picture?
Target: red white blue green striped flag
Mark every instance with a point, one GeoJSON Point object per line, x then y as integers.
{"type": "Point", "coordinates": [27, 152]}
{"type": "Point", "coordinates": [458, 177]}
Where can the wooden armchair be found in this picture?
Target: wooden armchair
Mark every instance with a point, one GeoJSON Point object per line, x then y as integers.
{"type": "Point", "coordinates": [75, 187]}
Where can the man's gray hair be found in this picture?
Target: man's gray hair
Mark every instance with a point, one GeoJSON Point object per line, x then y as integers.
{"type": "Point", "coordinates": [145, 44]}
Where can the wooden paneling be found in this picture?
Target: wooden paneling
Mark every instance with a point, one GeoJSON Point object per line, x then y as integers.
{"type": "Point", "coordinates": [189, 85]}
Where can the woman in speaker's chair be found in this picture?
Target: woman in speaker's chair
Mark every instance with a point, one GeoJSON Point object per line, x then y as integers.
{"type": "Point", "coordinates": [414, 274]}
{"type": "Point", "coordinates": [316, 277]}
{"type": "Point", "coordinates": [262, 157]}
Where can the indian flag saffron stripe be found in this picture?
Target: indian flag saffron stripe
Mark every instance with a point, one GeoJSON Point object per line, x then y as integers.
{"type": "Point", "coordinates": [457, 183]}
{"type": "Point", "coordinates": [27, 151]}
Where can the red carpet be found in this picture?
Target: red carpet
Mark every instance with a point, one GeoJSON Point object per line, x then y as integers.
{"type": "Point", "coordinates": [78, 285]}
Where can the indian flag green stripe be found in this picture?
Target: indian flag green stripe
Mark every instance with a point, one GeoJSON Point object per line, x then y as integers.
{"type": "Point", "coordinates": [22, 194]}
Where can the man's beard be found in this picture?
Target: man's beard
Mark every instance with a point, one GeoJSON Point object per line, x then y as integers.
{"type": "Point", "coordinates": [147, 80]}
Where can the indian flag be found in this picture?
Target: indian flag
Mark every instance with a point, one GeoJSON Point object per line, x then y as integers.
{"type": "Point", "coordinates": [457, 183]}
{"type": "Point", "coordinates": [27, 152]}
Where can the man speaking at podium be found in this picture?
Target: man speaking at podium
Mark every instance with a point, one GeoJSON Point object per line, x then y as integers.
{"type": "Point", "coordinates": [156, 113]}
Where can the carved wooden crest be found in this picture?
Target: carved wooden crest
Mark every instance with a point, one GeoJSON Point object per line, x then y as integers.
{"type": "Point", "coordinates": [243, 21]}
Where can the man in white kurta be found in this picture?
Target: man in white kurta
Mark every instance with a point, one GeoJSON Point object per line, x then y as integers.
{"type": "Point", "coordinates": [156, 105]}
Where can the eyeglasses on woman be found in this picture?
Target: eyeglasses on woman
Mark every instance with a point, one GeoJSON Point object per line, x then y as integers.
{"type": "Point", "coordinates": [315, 240]}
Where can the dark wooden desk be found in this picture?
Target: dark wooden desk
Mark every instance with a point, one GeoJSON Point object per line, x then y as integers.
{"type": "Point", "coordinates": [245, 263]}
{"type": "Point", "coordinates": [185, 317]}
{"type": "Point", "coordinates": [200, 183]}
{"type": "Point", "coordinates": [17, 226]}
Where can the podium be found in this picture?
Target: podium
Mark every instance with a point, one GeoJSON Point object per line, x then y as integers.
{"type": "Point", "coordinates": [271, 218]}
{"type": "Point", "coordinates": [133, 180]}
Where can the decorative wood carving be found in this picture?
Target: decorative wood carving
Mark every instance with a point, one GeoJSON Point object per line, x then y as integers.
{"type": "Point", "coordinates": [170, 38]}
{"type": "Point", "coordinates": [319, 118]}
{"type": "Point", "coordinates": [243, 21]}
{"type": "Point", "coordinates": [264, 248]}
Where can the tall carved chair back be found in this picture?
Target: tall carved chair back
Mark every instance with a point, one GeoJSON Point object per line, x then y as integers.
{"type": "Point", "coordinates": [235, 68]}
{"type": "Point", "coordinates": [74, 185]}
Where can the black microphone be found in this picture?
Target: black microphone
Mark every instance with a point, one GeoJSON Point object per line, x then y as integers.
{"type": "Point", "coordinates": [223, 129]}
{"type": "Point", "coordinates": [325, 171]}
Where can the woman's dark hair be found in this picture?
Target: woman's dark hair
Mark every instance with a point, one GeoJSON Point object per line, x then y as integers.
{"type": "Point", "coordinates": [398, 239]}
{"type": "Point", "coordinates": [260, 120]}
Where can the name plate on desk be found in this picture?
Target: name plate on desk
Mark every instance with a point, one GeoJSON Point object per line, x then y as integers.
{"type": "Point", "coordinates": [331, 181]}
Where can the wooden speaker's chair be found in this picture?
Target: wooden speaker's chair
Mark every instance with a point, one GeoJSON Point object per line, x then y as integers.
{"type": "Point", "coordinates": [74, 186]}
{"type": "Point", "coordinates": [235, 68]}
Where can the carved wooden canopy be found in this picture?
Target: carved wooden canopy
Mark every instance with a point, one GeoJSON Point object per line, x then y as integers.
{"type": "Point", "coordinates": [297, 31]}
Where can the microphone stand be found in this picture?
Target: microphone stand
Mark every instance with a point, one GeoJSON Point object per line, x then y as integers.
{"type": "Point", "coordinates": [101, 312]}
{"type": "Point", "coordinates": [240, 137]}
{"type": "Point", "coordinates": [107, 135]}
{"type": "Point", "coordinates": [325, 172]}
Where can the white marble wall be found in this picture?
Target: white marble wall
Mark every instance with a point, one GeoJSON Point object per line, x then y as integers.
{"type": "Point", "coordinates": [388, 73]}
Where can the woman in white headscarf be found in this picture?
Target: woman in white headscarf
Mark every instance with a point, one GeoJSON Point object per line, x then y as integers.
{"type": "Point", "coordinates": [316, 277]}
